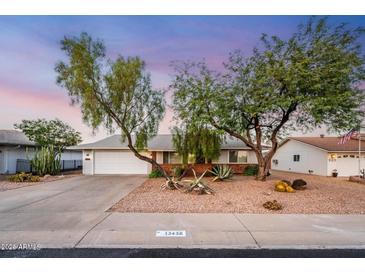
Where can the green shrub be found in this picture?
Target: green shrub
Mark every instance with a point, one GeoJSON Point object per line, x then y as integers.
{"type": "Point", "coordinates": [24, 177]}
{"type": "Point", "coordinates": [35, 179]}
{"type": "Point", "coordinates": [251, 170]}
{"type": "Point", "coordinates": [155, 173]}
{"type": "Point", "coordinates": [178, 171]}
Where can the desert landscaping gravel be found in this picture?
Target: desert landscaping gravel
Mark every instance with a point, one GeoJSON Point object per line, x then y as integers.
{"type": "Point", "coordinates": [245, 195]}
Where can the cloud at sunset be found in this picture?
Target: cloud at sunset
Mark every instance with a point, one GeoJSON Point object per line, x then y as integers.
{"type": "Point", "coordinates": [23, 104]}
{"type": "Point", "coordinates": [29, 47]}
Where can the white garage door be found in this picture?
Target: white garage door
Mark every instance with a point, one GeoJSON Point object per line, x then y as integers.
{"type": "Point", "coordinates": [347, 166]}
{"type": "Point", "coordinates": [119, 162]}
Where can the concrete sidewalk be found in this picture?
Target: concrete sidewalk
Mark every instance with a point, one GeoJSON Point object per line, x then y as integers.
{"type": "Point", "coordinates": [132, 230]}
{"type": "Point", "coordinates": [240, 231]}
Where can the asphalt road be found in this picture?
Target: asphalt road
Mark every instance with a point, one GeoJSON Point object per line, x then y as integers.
{"type": "Point", "coordinates": [183, 253]}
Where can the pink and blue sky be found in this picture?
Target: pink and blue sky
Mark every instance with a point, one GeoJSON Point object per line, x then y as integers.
{"type": "Point", "coordinates": [29, 49]}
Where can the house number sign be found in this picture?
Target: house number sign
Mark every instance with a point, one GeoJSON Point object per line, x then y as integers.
{"type": "Point", "coordinates": [170, 233]}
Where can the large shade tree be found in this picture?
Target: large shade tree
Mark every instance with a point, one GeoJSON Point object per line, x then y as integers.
{"type": "Point", "coordinates": [114, 93]}
{"type": "Point", "coordinates": [47, 133]}
{"type": "Point", "coordinates": [309, 80]}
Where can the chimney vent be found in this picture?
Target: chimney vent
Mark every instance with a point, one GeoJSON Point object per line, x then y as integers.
{"type": "Point", "coordinates": [322, 135]}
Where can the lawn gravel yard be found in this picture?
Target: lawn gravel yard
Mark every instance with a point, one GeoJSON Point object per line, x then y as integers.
{"type": "Point", "coordinates": [245, 195]}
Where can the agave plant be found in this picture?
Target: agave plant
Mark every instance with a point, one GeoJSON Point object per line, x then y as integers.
{"type": "Point", "coordinates": [172, 184]}
{"type": "Point", "coordinates": [221, 172]}
{"type": "Point", "coordinates": [198, 185]}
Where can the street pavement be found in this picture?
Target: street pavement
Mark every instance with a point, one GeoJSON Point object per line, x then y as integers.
{"type": "Point", "coordinates": [183, 253]}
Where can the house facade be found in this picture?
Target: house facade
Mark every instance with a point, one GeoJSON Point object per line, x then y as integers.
{"type": "Point", "coordinates": [112, 156]}
{"type": "Point", "coordinates": [320, 156]}
{"type": "Point", "coordinates": [16, 147]}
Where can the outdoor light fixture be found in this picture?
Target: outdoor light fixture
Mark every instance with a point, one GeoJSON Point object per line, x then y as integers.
{"type": "Point", "coordinates": [332, 157]}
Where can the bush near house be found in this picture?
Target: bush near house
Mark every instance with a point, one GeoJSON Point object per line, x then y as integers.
{"type": "Point", "coordinates": [155, 173]}
{"type": "Point", "coordinates": [251, 170]}
{"type": "Point", "coordinates": [24, 177]}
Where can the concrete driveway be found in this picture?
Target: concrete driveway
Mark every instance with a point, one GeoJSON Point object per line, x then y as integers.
{"type": "Point", "coordinates": [60, 213]}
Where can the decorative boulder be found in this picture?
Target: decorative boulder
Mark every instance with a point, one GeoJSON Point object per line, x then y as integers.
{"type": "Point", "coordinates": [284, 186]}
{"type": "Point", "coordinates": [289, 189]}
{"type": "Point", "coordinates": [280, 186]}
{"type": "Point", "coordinates": [299, 184]}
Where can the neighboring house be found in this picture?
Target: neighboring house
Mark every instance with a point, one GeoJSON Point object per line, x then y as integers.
{"type": "Point", "coordinates": [111, 156]}
{"type": "Point", "coordinates": [16, 147]}
{"type": "Point", "coordinates": [319, 155]}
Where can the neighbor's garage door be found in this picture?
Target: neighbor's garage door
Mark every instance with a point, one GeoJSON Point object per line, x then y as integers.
{"type": "Point", "coordinates": [347, 166]}
{"type": "Point", "coordinates": [118, 162]}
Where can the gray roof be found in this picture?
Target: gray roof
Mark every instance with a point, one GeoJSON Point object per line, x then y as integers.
{"type": "Point", "coordinates": [14, 137]}
{"type": "Point", "coordinates": [162, 142]}
{"type": "Point", "coordinates": [112, 142]}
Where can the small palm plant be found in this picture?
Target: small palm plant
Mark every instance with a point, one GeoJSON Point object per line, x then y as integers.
{"type": "Point", "coordinates": [198, 185]}
{"type": "Point", "coordinates": [221, 172]}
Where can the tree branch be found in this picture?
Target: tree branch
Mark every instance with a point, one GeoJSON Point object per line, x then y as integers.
{"type": "Point", "coordinates": [284, 119]}
{"type": "Point", "coordinates": [228, 130]}
{"type": "Point", "coordinates": [143, 119]}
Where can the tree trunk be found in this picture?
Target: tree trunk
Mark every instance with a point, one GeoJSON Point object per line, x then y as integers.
{"type": "Point", "coordinates": [145, 158]}
{"type": "Point", "coordinates": [262, 172]}
{"type": "Point", "coordinates": [263, 164]}
{"type": "Point", "coordinates": [151, 161]}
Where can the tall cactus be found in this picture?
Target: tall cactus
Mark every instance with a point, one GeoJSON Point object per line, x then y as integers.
{"type": "Point", "coordinates": [46, 161]}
